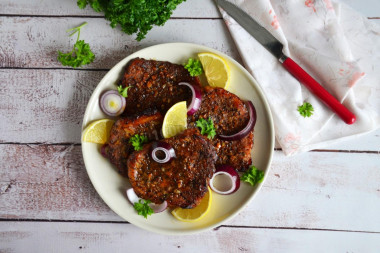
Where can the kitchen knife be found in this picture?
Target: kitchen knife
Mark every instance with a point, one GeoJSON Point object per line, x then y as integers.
{"type": "Point", "coordinates": [274, 46]}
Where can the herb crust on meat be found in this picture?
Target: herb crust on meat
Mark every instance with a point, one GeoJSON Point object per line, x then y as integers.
{"type": "Point", "coordinates": [119, 147]}
{"type": "Point", "coordinates": [154, 85]}
{"type": "Point", "coordinates": [230, 115]}
{"type": "Point", "coordinates": [183, 181]}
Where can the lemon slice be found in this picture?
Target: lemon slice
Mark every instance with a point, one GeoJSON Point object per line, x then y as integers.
{"type": "Point", "coordinates": [216, 70]}
{"type": "Point", "coordinates": [196, 213]}
{"type": "Point", "coordinates": [175, 120]}
{"type": "Point", "coordinates": [98, 131]}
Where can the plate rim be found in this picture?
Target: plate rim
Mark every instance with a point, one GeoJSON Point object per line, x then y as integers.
{"type": "Point", "coordinates": [260, 94]}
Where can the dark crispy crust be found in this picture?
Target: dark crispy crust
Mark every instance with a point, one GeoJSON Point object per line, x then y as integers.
{"type": "Point", "coordinates": [183, 181]}
{"type": "Point", "coordinates": [123, 129]}
{"type": "Point", "coordinates": [154, 85]}
{"type": "Point", "coordinates": [235, 153]}
{"type": "Point", "coordinates": [227, 111]}
{"type": "Point", "coordinates": [229, 115]}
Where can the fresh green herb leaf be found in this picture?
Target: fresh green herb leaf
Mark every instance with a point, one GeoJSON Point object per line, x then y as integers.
{"type": "Point", "coordinates": [143, 208]}
{"type": "Point", "coordinates": [138, 141]}
{"type": "Point", "coordinates": [97, 5]}
{"type": "Point", "coordinates": [81, 53]}
{"type": "Point", "coordinates": [82, 4]}
{"type": "Point", "coordinates": [134, 16]}
{"type": "Point", "coordinates": [123, 91]}
{"type": "Point", "coordinates": [306, 109]}
{"type": "Point", "coordinates": [194, 67]}
{"type": "Point", "coordinates": [207, 127]}
{"type": "Point", "coordinates": [253, 176]}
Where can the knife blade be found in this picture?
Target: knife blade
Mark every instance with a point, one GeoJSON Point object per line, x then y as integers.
{"type": "Point", "coordinates": [274, 46]}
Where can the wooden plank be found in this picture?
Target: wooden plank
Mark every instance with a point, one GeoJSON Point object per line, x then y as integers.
{"type": "Point", "coordinates": [47, 106]}
{"type": "Point", "coordinates": [44, 106]}
{"type": "Point", "coordinates": [319, 190]}
{"type": "Point", "coordinates": [48, 182]}
{"type": "Point", "coordinates": [365, 142]}
{"type": "Point", "coordinates": [316, 191]}
{"type": "Point", "coordinates": [31, 43]}
{"type": "Point", "coordinates": [190, 8]}
{"type": "Point", "coordinates": [100, 237]}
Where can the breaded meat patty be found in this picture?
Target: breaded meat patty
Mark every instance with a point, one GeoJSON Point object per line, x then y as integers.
{"type": "Point", "coordinates": [230, 115]}
{"type": "Point", "coordinates": [183, 181]}
{"type": "Point", "coordinates": [154, 84]}
{"type": "Point", "coordinates": [120, 148]}
{"type": "Point", "coordinates": [235, 153]}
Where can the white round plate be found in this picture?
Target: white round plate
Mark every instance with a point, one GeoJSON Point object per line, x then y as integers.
{"type": "Point", "coordinates": [111, 186]}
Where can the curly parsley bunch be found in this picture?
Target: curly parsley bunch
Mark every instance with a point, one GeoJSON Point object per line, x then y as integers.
{"type": "Point", "coordinates": [134, 16]}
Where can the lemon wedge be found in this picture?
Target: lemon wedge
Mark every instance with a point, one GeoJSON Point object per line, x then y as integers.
{"type": "Point", "coordinates": [216, 69]}
{"type": "Point", "coordinates": [196, 213]}
{"type": "Point", "coordinates": [175, 120]}
{"type": "Point", "coordinates": [98, 131]}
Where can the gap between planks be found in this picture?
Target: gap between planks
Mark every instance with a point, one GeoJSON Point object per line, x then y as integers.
{"type": "Point", "coordinates": [55, 68]}
{"type": "Point", "coordinates": [214, 229]}
{"type": "Point", "coordinates": [91, 16]}
{"type": "Point", "coordinates": [101, 16]}
{"type": "Point", "coordinates": [276, 149]}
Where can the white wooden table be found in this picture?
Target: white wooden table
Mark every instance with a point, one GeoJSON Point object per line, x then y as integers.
{"type": "Point", "coordinates": [320, 201]}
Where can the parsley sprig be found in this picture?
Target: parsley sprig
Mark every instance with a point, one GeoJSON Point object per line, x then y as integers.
{"type": "Point", "coordinates": [138, 141]}
{"type": "Point", "coordinates": [81, 53]}
{"type": "Point", "coordinates": [134, 16]}
{"type": "Point", "coordinates": [306, 109]}
{"type": "Point", "coordinates": [194, 67]}
{"type": "Point", "coordinates": [253, 176]}
{"type": "Point", "coordinates": [143, 208]}
{"type": "Point", "coordinates": [207, 127]}
{"type": "Point", "coordinates": [123, 90]}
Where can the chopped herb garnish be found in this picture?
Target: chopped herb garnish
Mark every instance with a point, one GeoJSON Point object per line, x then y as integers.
{"type": "Point", "coordinates": [138, 141]}
{"type": "Point", "coordinates": [207, 127]}
{"type": "Point", "coordinates": [123, 91]}
{"type": "Point", "coordinates": [253, 176]}
{"type": "Point", "coordinates": [143, 208]}
{"type": "Point", "coordinates": [306, 109]}
{"type": "Point", "coordinates": [194, 67]}
{"type": "Point", "coordinates": [134, 16]}
{"type": "Point", "coordinates": [81, 53]}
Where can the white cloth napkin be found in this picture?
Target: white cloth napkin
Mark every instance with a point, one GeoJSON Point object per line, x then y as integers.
{"type": "Point", "coordinates": [334, 44]}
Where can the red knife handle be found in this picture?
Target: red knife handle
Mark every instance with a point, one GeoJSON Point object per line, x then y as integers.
{"type": "Point", "coordinates": [318, 91]}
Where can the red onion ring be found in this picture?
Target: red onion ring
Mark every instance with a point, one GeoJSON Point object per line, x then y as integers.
{"type": "Point", "coordinates": [195, 100]}
{"type": "Point", "coordinates": [165, 148]}
{"type": "Point", "coordinates": [233, 180]}
{"type": "Point", "coordinates": [107, 97]}
{"type": "Point", "coordinates": [133, 198]}
{"type": "Point", "coordinates": [104, 150]}
{"type": "Point", "coordinates": [247, 129]}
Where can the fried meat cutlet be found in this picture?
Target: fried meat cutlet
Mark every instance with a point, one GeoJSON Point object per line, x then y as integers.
{"type": "Point", "coordinates": [230, 115]}
{"type": "Point", "coordinates": [154, 84]}
{"type": "Point", "coordinates": [120, 148]}
{"type": "Point", "coordinates": [183, 181]}
{"type": "Point", "coordinates": [235, 153]}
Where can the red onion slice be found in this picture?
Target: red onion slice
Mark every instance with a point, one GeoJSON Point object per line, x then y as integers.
{"type": "Point", "coordinates": [104, 150]}
{"type": "Point", "coordinates": [247, 129]}
{"type": "Point", "coordinates": [112, 103]}
{"type": "Point", "coordinates": [225, 180]}
{"type": "Point", "coordinates": [133, 198]}
{"type": "Point", "coordinates": [195, 100]}
{"type": "Point", "coordinates": [167, 152]}
{"type": "Point", "coordinates": [158, 208]}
